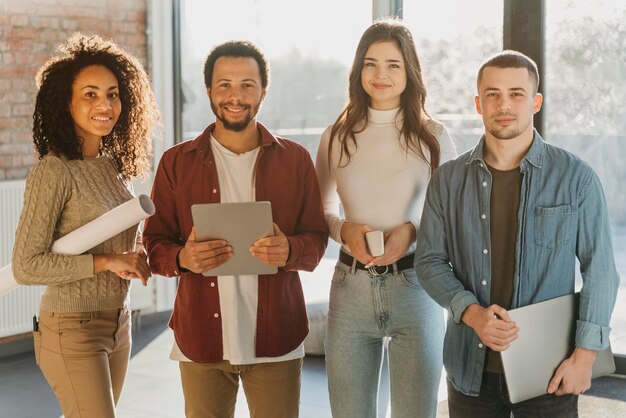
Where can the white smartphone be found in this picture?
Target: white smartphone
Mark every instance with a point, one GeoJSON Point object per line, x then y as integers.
{"type": "Point", "coordinates": [375, 243]}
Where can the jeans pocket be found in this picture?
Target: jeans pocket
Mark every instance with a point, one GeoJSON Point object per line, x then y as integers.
{"type": "Point", "coordinates": [71, 321]}
{"type": "Point", "coordinates": [37, 344]}
{"type": "Point", "coordinates": [64, 322]}
{"type": "Point", "coordinates": [553, 225]}
{"type": "Point", "coordinates": [339, 277]}
{"type": "Point", "coordinates": [409, 279]}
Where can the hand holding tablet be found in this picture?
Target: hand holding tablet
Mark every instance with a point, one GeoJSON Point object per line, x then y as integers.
{"type": "Point", "coordinates": [229, 229]}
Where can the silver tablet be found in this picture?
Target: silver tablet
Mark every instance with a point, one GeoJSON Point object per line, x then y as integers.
{"type": "Point", "coordinates": [240, 224]}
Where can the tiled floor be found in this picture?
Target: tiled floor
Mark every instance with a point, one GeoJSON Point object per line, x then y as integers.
{"type": "Point", "coordinates": [153, 387]}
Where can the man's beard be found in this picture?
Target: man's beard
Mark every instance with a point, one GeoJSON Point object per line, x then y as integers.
{"type": "Point", "coordinates": [502, 134]}
{"type": "Point", "coordinates": [508, 132]}
{"type": "Point", "coordinates": [236, 126]}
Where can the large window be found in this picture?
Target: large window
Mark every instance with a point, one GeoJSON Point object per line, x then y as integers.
{"type": "Point", "coordinates": [311, 44]}
{"type": "Point", "coordinates": [453, 37]}
{"type": "Point", "coordinates": [585, 96]}
{"type": "Point", "coordinates": [309, 56]}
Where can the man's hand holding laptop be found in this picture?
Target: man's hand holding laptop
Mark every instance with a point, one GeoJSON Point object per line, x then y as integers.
{"type": "Point", "coordinates": [496, 330]}
{"type": "Point", "coordinates": [492, 325]}
{"type": "Point", "coordinates": [574, 374]}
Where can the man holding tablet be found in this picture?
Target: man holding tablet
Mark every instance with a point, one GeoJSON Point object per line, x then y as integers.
{"type": "Point", "coordinates": [247, 326]}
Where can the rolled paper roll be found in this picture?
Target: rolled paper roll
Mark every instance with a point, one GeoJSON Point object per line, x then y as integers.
{"type": "Point", "coordinates": [91, 234]}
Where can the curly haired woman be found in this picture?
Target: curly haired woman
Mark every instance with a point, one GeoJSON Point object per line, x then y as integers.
{"type": "Point", "coordinates": [92, 122]}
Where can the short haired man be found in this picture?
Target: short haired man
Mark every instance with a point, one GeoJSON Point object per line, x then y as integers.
{"type": "Point", "coordinates": [502, 227]}
{"type": "Point", "coordinates": [230, 327]}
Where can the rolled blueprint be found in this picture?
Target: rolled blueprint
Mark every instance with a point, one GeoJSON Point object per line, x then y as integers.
{"type": "Point", "coordinates": [91, 234]}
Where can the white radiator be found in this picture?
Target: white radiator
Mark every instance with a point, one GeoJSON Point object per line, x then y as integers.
{"type": "Point", "coordinates": [16, 307]}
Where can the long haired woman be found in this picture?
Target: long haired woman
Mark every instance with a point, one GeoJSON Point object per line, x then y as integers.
{"type": "Point", "coordinates": [374, 162]}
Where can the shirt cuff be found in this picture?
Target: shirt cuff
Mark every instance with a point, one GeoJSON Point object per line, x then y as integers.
{"type": "Point", "coordinates": [84, 266]}
{"type": "Point", "coordinates": [334, 227]}
{"type": "Point", "coordinates": [295, 249]}
{"type": "Point", "coordinates": [459, 303]}
{"type": "Point", "coordinates": [168, 262]}
{"type": "Point", "coordinates": [592, 336]}
{"type": "Point", "coordinates": [180, 269]}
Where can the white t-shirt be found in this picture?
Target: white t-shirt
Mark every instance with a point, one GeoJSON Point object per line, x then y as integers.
{"type": "Point", "coordinates": [383, 185]}
{"type": "Point", "coordinates": [238, 294]}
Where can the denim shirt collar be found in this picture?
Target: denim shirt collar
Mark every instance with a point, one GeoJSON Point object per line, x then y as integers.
{"type": "Point", "coordinates": [534, 156]}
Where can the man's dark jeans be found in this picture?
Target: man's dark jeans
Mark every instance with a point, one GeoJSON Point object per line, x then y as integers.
{"type": "Point", "coordinates": [493, 402]}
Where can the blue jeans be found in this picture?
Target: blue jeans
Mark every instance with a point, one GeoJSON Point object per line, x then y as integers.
{"type": "Point", "coordinates": [364, 310]}
{"type": "Point", "coordinates": [493, 402]}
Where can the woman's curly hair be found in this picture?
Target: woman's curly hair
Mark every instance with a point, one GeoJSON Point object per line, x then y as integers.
{"type": "Point", "coordinates": [129, 144]}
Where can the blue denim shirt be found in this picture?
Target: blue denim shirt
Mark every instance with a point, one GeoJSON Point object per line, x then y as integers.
{"type": "Point", "coordinates": [562, 216]}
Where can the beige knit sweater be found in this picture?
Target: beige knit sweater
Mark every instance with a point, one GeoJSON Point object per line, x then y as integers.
{"type": "Point", "coordinates": [62, 195]}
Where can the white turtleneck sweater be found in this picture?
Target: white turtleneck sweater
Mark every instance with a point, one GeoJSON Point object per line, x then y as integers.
{"type": "Point", "coordinates": [383, 185]}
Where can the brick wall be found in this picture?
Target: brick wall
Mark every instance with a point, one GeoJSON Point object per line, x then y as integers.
{"type": "Point", "coordinates": [30, 31]}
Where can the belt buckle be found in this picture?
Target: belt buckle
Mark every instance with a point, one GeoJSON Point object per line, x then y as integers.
{"type": "Point", "coordinates": [372, 270]}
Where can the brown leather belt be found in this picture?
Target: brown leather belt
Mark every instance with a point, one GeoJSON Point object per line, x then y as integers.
{"type": "Point", "coordinates": [402, 264]}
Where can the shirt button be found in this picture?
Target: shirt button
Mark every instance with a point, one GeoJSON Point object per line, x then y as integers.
{"type": "Point", "coordinates": [484, 282]}
{"type": "Point", "coordinates": [485, 251]}
{"type": "Point", "coordinates": [212, 284]}
{"type": "Point", "coordinates": [483, 216]}
{"type": "Point", "coordinates": [481, 165]}
{"type": "Point", "coordinates": [480, 345]}
{"type": "Point", "coordinates": [216, 315]}
{"type": "Point", "coordinates": [214, 191]}
{"type": "Point", "coordinates": [484, 184]}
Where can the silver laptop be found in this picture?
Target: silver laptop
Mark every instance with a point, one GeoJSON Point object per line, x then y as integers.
{"type": "Point", "coordinates": [546, 338]}
{"type": "Point", "coordinates": [240, 224]}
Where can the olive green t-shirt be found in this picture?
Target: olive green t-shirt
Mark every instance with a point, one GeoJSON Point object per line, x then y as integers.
{"type": "Point", "coordinates": [504, 206]}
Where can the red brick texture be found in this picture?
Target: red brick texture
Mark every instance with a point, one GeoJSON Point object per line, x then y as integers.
{"type": "Point", "coordinates": [30, 31]}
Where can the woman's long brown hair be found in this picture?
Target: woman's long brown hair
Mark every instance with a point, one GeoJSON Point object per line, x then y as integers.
{"type": "Point", "coordinates": [412, 101]}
